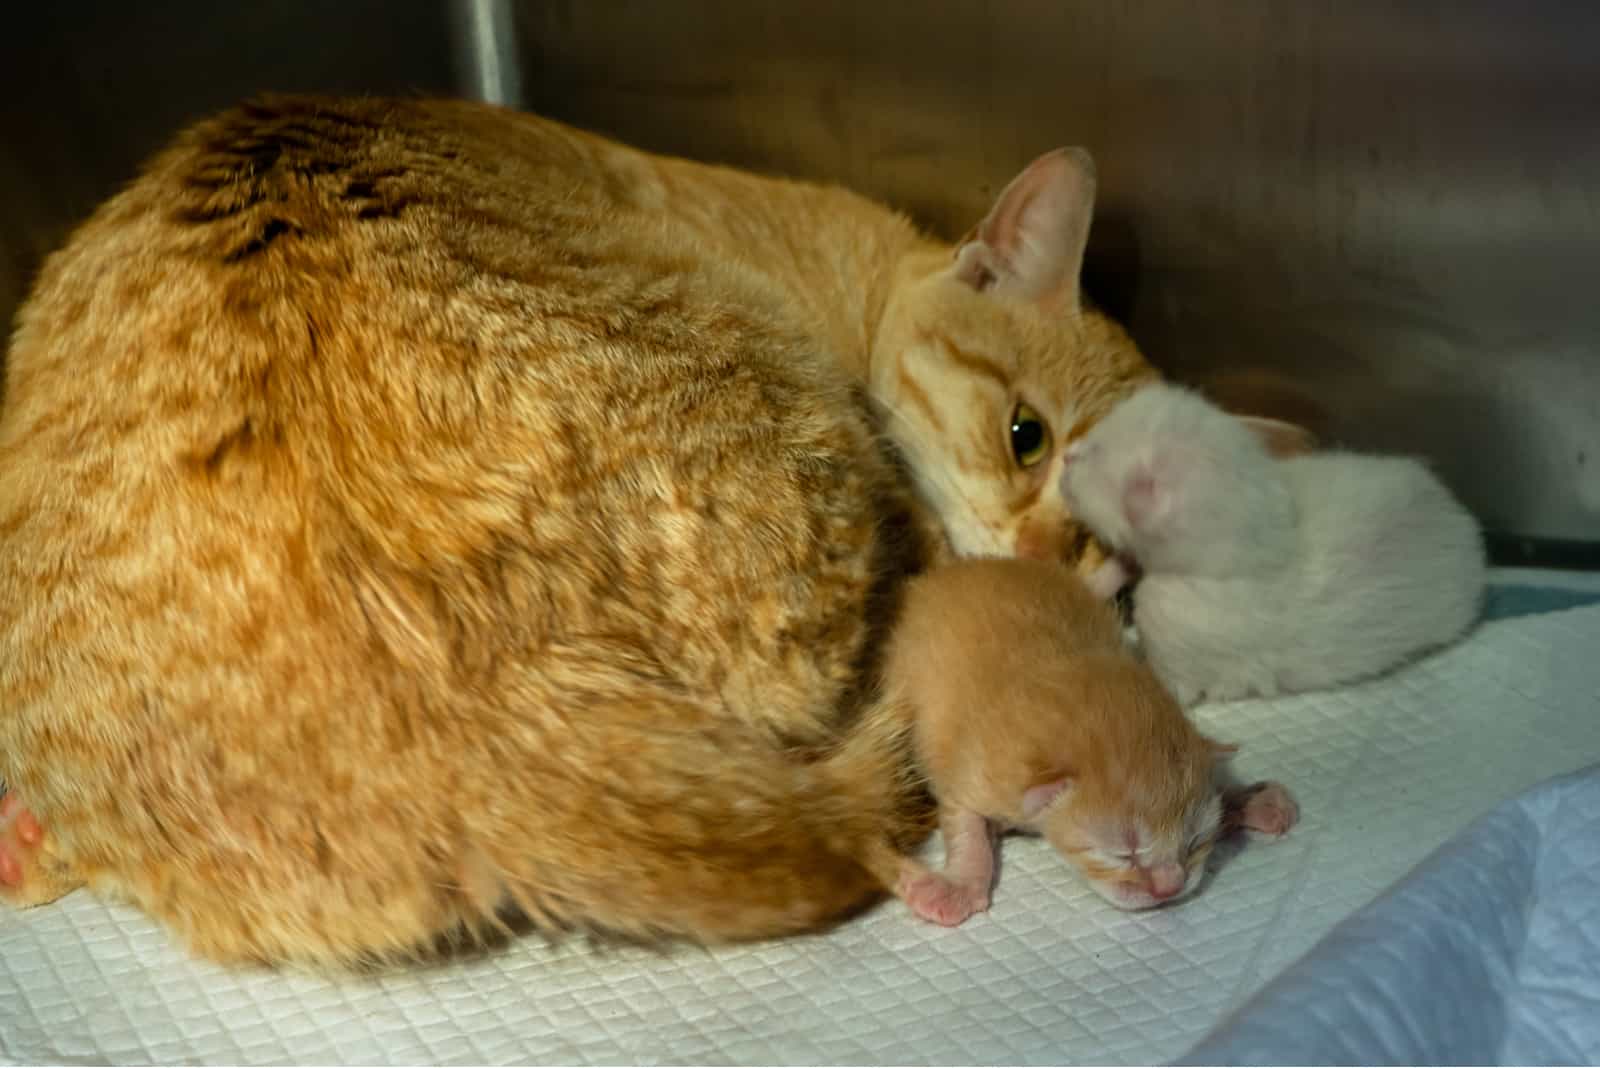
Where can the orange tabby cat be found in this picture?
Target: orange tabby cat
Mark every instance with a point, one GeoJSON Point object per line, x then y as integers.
{"type": "Point", "coordinates": [409, 509]}
{"type": "Point", "coordinates": [1031, 713]}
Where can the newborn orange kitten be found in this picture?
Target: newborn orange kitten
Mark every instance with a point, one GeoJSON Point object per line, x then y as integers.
{"type": "Point", "coordinates": [1032, 714]}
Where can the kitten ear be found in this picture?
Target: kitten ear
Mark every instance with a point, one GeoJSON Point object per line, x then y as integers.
{"type": "Point", "coordinates": [1281, 438]}
{"type": "Point", "coordinates": [1143, 500]}
{"type": "Point", "coordinates": [1035, 799]}
{"type": "Point", "coordinates": [1030, 245]}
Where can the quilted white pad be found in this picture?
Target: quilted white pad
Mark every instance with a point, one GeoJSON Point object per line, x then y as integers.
{"type": "Point", "coordinates": [1384, 771]}
{"type": "Point", "coordinates": [1488, 954]}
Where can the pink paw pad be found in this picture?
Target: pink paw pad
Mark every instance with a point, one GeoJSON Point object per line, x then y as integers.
{"type": "Point", "coordinates": [20, 835]}
{"type": "Point", "coordinates": [1265, 808]}
{"type": "Point", "coordinates": [939, 900]}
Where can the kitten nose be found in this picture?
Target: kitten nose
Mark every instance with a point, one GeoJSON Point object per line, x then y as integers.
{"type": "Point", "coordinates": [1166, 881]}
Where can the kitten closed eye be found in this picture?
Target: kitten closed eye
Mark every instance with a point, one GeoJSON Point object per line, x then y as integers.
{"type": "Point", "coordinates": [1013, 666]}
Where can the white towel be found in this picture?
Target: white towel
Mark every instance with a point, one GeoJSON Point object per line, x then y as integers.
{"type": "Point", "coordinates": [1384, 772]}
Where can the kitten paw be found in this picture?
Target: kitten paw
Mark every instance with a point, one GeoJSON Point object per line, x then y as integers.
{"type": "Point", "coordinates": [1107, 580]}
{"type": "Point", "coordinates": [940, 900]}
{"type": "Point", "coordinates": [20, 838]}
{"type": "Point", "coordinates": [1264, 807]}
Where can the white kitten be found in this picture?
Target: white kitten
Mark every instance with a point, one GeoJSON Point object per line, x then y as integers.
{"type": "Point", "coordinates": [1263, 576]}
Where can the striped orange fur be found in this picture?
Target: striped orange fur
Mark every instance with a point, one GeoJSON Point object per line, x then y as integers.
{"type": "Point", "coordinates": [413, 509]}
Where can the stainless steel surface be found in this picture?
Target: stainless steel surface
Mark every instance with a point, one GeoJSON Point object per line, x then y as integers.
{"type": "Point", "coordinates": [1394, 208]}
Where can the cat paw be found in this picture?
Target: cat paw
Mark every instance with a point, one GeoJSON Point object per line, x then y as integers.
{"type": "Point", "coordinates": [29, 873]}
{"type": "Point", "coordinates": [940, 900]}
{"type": "Point", "coordinates": [1264, 807]}
{"type": "Point", "coordinates": [20, 838]}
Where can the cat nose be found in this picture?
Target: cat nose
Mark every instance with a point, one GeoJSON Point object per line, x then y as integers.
{"type": "Point", "coordinates": [1166, 881]}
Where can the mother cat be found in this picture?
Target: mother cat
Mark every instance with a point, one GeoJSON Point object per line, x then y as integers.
{"type": "Point", "coordinates": [408, 508]}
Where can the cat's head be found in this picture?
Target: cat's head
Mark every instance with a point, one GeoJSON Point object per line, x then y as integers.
{"type": "Point", "coordinates": [1179, 485]}
{"type": "Point", "coordinates": [988, 362]}
{"type": "Point", "coordinates": [1138, 822]}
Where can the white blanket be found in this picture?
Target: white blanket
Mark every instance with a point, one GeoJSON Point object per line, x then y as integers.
{"type": "Point", "coordinates": [1488, 954]}
{"type": "Point", "coordinates": [1385, 772]}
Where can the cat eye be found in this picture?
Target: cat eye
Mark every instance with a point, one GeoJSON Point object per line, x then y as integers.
{"type": "Point", "coordinates": [1030, 438]}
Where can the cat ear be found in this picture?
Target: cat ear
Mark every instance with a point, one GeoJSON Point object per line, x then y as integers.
{"type": "Point", "coordinates": [1281, 438]}
{"type": "Point", "coordinates": [1035, 799]}
{"type": "Point", "coordinates": [1030, 245]}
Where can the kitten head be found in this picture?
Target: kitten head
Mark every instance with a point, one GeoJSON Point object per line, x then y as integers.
{"type": "Point", "coordinates": [1140, 810]}
{"type": "Point", "coordinates": [1179, 485]}
{"type": "Point", "coordinates": [987, 362]}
